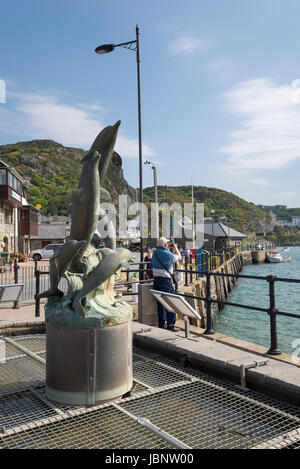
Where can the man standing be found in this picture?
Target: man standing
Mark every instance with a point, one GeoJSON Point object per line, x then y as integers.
{"type": "Point", "coordinates": [162, 265]}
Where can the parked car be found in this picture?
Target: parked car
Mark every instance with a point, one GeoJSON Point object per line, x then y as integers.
{"type": "Point", "coordinates": [46, 253]}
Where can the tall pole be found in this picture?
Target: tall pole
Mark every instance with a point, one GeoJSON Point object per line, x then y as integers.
{"type": "Point", "coordinates": [212, 229]}
{"type": "Point", "coordinates": [193, 218]}
{"type": "Point", "coordinates": [156, 202]}
{"type": "Point", "coordinates": [138, 61]}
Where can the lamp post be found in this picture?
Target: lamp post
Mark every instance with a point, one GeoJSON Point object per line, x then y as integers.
{"type": "Point", "coordinates": [155, 198]}
{"type": "Point", "coordinates": [134, 46]}
{"type": "Point", "coordinates": [212, 228]}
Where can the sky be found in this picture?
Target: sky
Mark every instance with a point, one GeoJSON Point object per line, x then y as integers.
{"type": "Point", "coordinates": [220, 87]}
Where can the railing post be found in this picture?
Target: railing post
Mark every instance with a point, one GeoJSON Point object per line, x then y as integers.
{"type": "Point", "coordinates": [185, 273]}
{"type": "Point", "coordinates": [191, 269]}
{"type": "Point", "coordinates": [37, 289]}
{"type": "Point", "coordinates": [209, 322]}
{"type": "Point", "coordinates": [273, 350]}
{"type": "Point", "coordinates": [16, 268]}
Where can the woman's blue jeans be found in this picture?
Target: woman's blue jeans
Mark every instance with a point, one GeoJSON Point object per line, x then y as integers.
{"type": "Point", "coordinates": [164, 284]}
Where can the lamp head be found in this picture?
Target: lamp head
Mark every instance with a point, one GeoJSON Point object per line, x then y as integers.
{"type": "Point", "coordinates": [104, 48]}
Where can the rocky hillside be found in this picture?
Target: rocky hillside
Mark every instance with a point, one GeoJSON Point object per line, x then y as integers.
{"type": "Point", "coordinates": [243, 216]}
{"type": "Point", "coordinates": [53, 171]}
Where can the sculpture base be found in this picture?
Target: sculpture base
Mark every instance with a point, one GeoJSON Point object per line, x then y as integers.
{"type": "Point", "coordinates": [87, 367]}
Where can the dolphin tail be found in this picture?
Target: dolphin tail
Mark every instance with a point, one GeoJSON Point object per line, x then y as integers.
{"type": "Point", "coordinates": [51, 292]}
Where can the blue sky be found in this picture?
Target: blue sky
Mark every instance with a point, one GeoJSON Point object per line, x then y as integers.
{"type": "Point", "coordinates": [220, 87]}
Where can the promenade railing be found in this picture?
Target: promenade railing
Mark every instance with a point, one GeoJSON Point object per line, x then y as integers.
{"type": "Point", "coordinates": [210, 262]}
{"type": "Point", "coordinates": [272, 311]}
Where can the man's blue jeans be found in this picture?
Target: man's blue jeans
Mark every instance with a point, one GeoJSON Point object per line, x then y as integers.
{"type": "Point", "coordinates": [164, 284]}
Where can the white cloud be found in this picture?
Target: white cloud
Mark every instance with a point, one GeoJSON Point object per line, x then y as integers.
{"type": "Point", "coordinates": [188, 45]}
{"type": "Point", "coordinates": [260, 182]}
{"type": "Point", "coordinates": [288, 196]}
{"type": "Point", "coordinates": [269, 136]}
{"type": "Point", "coordinates": [42, 116]}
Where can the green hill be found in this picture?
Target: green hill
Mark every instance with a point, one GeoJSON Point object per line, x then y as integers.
{"type": "Point", "coordinates": [244, 216]}
{"type": "Point", "coordinates": [53, 171]}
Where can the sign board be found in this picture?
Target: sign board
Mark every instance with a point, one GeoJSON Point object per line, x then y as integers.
{"type": "Point", "coordinates": [179, 305]}
{"type": "Point", "coordinates": [11, 292]}
{"type": "Point", "coordinates": [176, 303]}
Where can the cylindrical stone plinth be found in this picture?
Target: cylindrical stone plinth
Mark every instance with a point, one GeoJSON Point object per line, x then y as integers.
{"type": "Point", "coordinates": [85, 367]}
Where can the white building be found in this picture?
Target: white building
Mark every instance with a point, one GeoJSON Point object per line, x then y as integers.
{"type": "Point", "coordinates": [284, 222]}
{"type": "Point", "coordinates": [296, 221]}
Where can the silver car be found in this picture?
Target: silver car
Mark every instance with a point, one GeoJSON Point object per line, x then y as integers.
{"type": "Point", "coordinates": [46, 253]}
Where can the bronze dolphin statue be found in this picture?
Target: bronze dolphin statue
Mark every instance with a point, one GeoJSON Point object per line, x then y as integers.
{"type": "Point", "coordinates": [86, 202]}
{"type": "Point", "coordinates": [59, 264]}
{"type": "Point", "coordinates": [110, 263]}
{"type": "Point", "coordinates": [104, 143]}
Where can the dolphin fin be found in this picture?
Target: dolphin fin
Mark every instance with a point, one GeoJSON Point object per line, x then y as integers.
{"type": "Point", "coordinates": [76, 196]}
{"type": "Point", "coordinates": [87, 156]}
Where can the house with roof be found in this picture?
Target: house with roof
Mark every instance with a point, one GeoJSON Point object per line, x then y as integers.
{"type": "Point", "coordinates": [295, 221]}
{"type": "Point", "coordinates": [49, 233]}
{"type": "Point", "coordinates": [215, 235]}
{"type": "Point", "coordinates": [18, 218]}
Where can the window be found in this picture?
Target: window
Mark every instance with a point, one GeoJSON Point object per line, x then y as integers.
{"type": "Point", "coordinates": [8, 215]}
{"type": "Point", "coordinates": [3, 176]}
{"type": "Point", "coordinates": [10, 179]}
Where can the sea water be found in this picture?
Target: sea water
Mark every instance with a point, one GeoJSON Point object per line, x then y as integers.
{"type": "Point", "coordinates": [254, 326]}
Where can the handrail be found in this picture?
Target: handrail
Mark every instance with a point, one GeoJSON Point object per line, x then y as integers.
{"type": "Point", "coordinates": [272, 310]}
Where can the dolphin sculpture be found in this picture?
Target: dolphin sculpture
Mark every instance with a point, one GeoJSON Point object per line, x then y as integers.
{"type": "Point", "coordinates": [111, 262]}
{"type": "Point", "coordinates": [59, 264]}
{"type": "Point", "coordinates": [86, 203]}
{"type": "Point", "coordinates": [104, 143]}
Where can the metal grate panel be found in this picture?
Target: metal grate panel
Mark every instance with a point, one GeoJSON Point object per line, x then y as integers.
{"type": "Point", "coordinates": [21, 373]}
{"type": "Point", "coordinates": [156, 375]}
{"type": "Point", "coordinates": [104, 428]}
{"type": "Point", "coordinates": [34, 343]}
{"type": "Point", "coordinates": [22, 408]}
{"type": "Point", "coordinates": [205, 417]}
{"type": "Point", "coordinates": [184, 406]}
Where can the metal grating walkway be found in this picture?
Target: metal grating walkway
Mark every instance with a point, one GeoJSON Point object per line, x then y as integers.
{"type": "Point", "coordinates": [170, 407]}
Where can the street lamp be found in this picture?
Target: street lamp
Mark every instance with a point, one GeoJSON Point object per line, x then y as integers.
{"type": "Point", "coordinates": [155, 198]}
{"type": "Point", "coordinates": [134, 46]}
{"type": "Point", "coordinates": [212, 228]}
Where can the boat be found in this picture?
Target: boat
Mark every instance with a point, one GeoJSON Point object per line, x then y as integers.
{"type": "Point", "coordinates": [276, 258]}
{"type": "Point", "coordinates": [284, 249]}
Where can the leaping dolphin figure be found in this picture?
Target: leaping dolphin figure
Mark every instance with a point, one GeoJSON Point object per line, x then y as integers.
{"type": "Point", "coordinates": [104, 143]}
{"type": "Point", "coordinates": [86, 202]}
{"type": "Point", "coordinates": [110, 263]}
{"type": "Point", "coordinates": [59, 264]}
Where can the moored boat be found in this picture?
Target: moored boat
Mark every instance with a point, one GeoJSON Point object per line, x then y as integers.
{"type": "Point", "coordinates": [276, 258]}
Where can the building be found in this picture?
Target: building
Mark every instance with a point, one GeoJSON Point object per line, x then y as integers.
{"type": "Point", "coordinates": [48, 234]}
{"type": "Point", "coordinates": [218, 236]}
{"type": "Point", "coordinates": [214, 235]}
{"type": "Point", "coordinates": [295, 221]}
{"type": "Point", "coordinates": [284, 222]}
{"type": "Point", "coordinates": [18, 219]}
